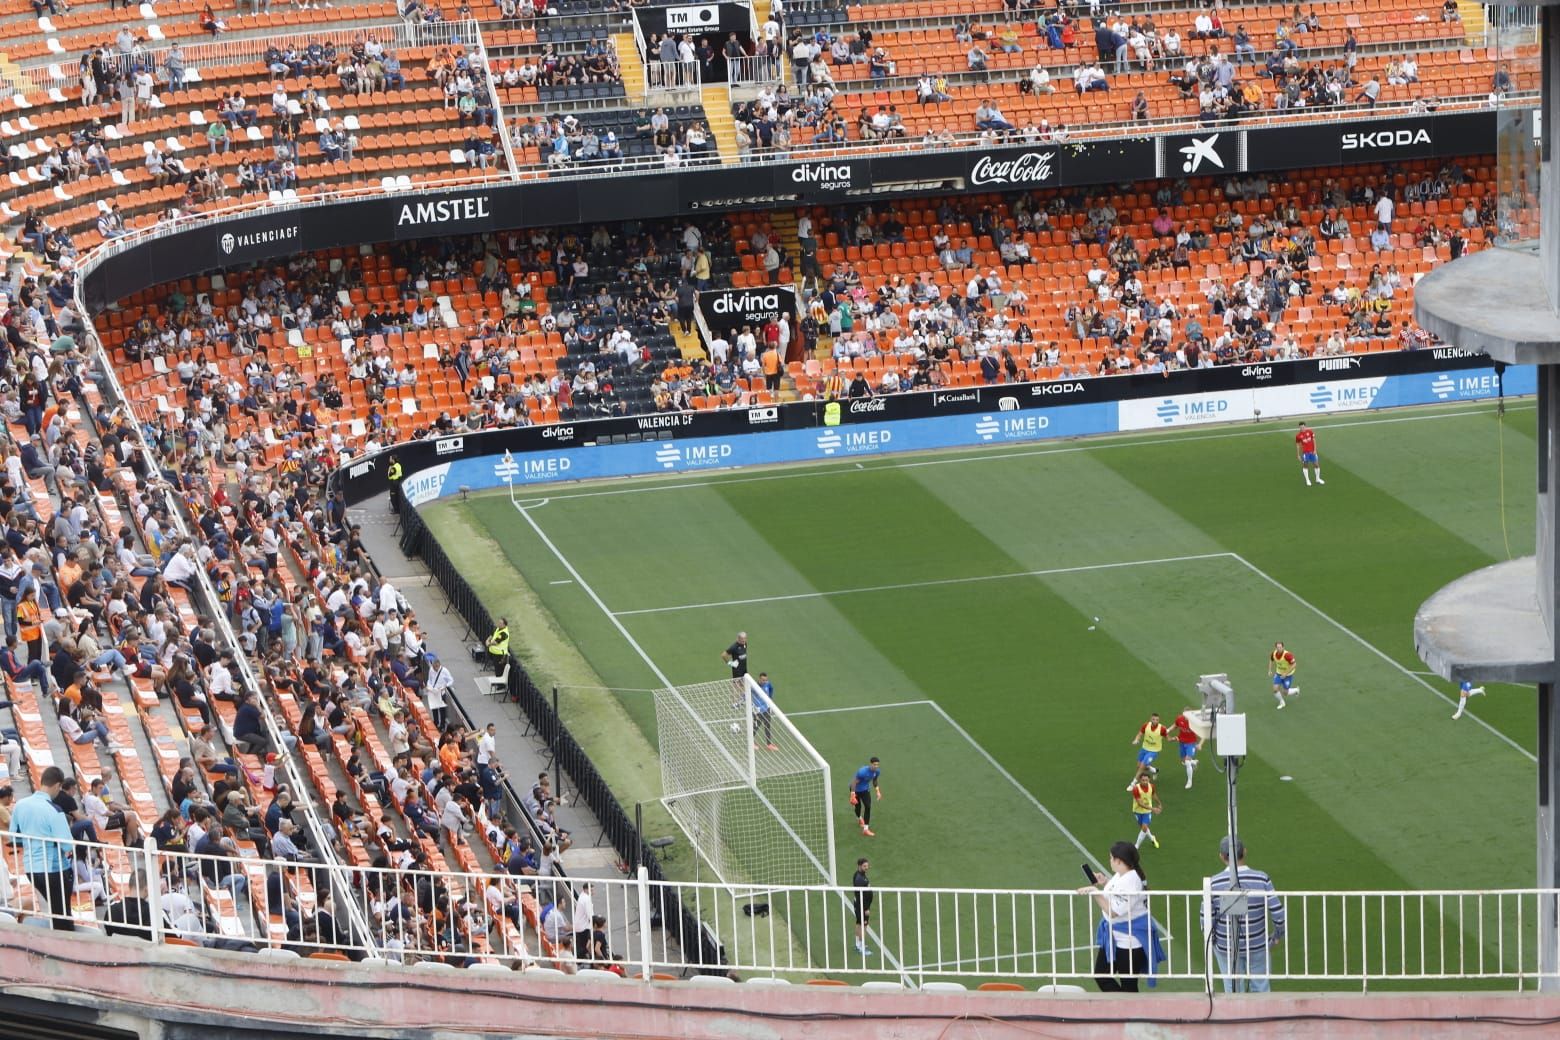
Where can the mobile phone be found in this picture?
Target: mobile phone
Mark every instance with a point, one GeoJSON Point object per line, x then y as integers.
{"type": "Point", "coordinates": [1088, 873]}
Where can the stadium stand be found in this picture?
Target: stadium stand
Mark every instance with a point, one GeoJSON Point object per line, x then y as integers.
{"type": "Point", "coordinates": [465, 335]}
{"type": "Point", "coordinates": [183, 109]}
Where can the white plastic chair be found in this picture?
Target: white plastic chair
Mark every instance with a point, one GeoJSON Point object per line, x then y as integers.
{"type": "Point", "coordinates": [711, 980]}
{"type": "Point", "coordinates": [598, 975]}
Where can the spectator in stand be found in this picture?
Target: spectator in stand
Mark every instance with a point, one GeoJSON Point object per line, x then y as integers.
{"type": "Point", "coordinates": [46, 842]}
{"type": "Point", "coordinates": [217, 137]}
{"type": "Point", "coordinates": [989, 117]}
{"type": "Point", "coordinates": [976, 61]}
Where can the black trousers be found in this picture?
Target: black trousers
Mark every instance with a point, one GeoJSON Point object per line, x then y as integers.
{"type": "Point", "coordinates": [864, 808]}
{"type": "Point", "coordinates": [1122, 975]}
{"type": "Point", "coordinates": [56, 888]}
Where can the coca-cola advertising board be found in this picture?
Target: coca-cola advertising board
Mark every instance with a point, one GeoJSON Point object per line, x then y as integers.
{"type": "Point", "coordinates": [1031, 168]}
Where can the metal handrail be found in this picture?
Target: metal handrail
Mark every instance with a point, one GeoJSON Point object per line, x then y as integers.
{"type": "Point", "coordinates": [500, 119]}
{"type": "Point", "coordinates": [1429, 938]}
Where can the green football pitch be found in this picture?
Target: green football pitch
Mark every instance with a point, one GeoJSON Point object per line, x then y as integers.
{"type": "Point", "coordinates": [995, 625]}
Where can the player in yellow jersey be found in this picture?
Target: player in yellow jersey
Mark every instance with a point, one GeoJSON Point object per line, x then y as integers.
{"type": "Point", "coordinates": [1145, 804]}
{"type": "Point", "coordinates": [1152, 735]}
{"type": "Point", "coordinates": [1281, 668]}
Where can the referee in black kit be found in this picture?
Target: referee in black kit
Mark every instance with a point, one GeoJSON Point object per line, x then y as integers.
{"type": "Point", "coordinates": [861, 896]}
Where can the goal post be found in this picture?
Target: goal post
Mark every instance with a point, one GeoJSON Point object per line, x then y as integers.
{"type": "Point", "coordinates": [752, 795]}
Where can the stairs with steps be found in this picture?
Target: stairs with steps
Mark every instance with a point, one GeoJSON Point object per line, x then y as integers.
{"type": "Point", "coordinates": [12, 77]}
{"type": "Point", "coordinates": [717, 111]}
{"type": "Point", "coordinates": [782, 227]}
{"type": "Point", "coordinates": [632, 66]}
{"type": "Point", "coordinates": [1472, 14]}
{"type": "Point", "coordinates": [690, 345]}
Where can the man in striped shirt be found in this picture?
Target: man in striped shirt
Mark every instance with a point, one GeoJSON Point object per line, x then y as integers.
{"type": "Point", "coordinates": [1244, 927]}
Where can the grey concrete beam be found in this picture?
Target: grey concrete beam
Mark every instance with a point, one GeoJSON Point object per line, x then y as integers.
{"type": "Point", "coordinates": [1495, 302]}
{"type": "Point", "coordinates": [1486, 627]}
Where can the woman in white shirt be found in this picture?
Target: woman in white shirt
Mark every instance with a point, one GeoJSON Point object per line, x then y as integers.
{"type": "Point", "coordinates": [1127, 946]}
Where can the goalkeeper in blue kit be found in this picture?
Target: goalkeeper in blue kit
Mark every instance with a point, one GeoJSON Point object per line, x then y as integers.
{"type": "Point", "coordinates": [862, 787]}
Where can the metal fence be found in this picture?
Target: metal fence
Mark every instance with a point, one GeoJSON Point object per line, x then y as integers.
{"type": "Point", "coordinates": [236, 899]}
{"type": "Point", "coordinates": [671, 75]}
{"type": "Point", "coordinates": [753, 69]}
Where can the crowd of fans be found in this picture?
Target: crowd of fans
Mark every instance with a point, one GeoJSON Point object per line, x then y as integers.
{"type": "Point", "coordinates": [89, 600]}
{"type": "Point", "coordinates": [987, 313]}
{"type": "Point", "coordinates": [1218, 67]}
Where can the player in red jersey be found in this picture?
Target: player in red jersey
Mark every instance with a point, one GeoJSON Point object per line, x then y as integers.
{"type": "Point", "coordinates": [1305, 451]}
{"type": "Point", "coordinates": [1189, 741]}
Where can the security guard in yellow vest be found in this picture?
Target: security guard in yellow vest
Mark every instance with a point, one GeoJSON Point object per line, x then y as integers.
{"type": "Point", "coordinates": [393, 475]}
{"type": "Point", "coordinates": [498, 646]}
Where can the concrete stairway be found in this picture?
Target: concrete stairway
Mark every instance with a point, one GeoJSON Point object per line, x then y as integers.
{"type": "Point", "coordinates": [717, 110]}
{"type": "Point", "coordinates": [691, 345]}
{"type": "Point", "coordinates": [782, 226]}
{"type": "Point", "coordinates": [633, 66]}
{"type": "Point", "coordinates": [1472, 13]}
{"type": "Point", "coordinates": [11, 76]}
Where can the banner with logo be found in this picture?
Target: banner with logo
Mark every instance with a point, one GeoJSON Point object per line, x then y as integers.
{"type": "Point", "coordinates": [756, 439]}
{"type": "Point", "coordinates": [1396, 139]}
{"type": "Point", "coordinates": [776, 446]}
{"type": "Point", "coordinates": [694, 19]}
{"type": "Point", "coordinates": [727, 309]}
{"type": "Point", "coordinates": [1329, 396]}
{"type": "Point", "coordinates": [1216, 153]}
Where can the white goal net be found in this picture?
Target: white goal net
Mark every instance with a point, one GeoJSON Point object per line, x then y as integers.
{"type": "Point", "coordinates": [750, 792]}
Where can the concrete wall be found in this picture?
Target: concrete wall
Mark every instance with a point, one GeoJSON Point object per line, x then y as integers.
{"type": "Point", "coordinates": [210, 995]}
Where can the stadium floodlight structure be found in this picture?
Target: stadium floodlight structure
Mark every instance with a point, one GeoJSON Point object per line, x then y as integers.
{"type": "Point", "coordinates": [1502, 623]}
{"type": "Point", "coordinates": [753, 796]}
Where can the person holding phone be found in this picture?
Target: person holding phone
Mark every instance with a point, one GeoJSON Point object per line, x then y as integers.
{"type": "Point", "coordinates": [1127, 943]}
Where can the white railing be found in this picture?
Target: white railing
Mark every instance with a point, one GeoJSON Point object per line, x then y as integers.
{"type": "Point", "coordinates": [473, 38]}
{"type": "Point", "coordinates": [672, 75]}
{"type": "Point", "coordinates": [1327, 940]}
{"type": "Point", "coordinates": [753, 69]}
{"type": "Point", "coordinates": [1510, 26]}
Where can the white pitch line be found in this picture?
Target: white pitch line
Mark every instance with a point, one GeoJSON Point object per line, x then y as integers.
{"type": "Point", "coordinates": [854, 707]}
{"type": "Point", "coordinates": [938, 708]}
{"type": "Point", "coordinates": [996, 958]}
{"type": "Point", "coordinates": [849, 466]}
{"type": "Point", "coordinates": [662, 678]}
{"type": "Point", "coordinates": [1346, 630]}
{"type": "Point", "coordinates": [1000, 768]}
{"type": "Point", "coordinates": [928, 584]}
